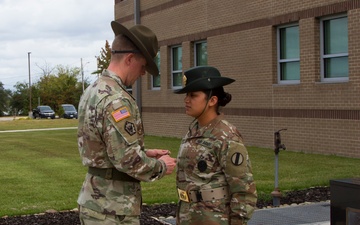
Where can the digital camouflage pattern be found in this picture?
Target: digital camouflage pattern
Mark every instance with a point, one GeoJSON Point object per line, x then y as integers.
{"type": "Point", "coordinates": [110, 134]}
{"type": "Point", "coordinates": [211, 157]}
{"type": "Point", "coordinates": [90, 217]}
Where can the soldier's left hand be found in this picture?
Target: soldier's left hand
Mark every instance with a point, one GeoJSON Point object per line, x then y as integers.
{"type": "Point", "coordinates": [157, 153]}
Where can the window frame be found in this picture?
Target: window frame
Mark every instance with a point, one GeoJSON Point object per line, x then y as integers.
{"type": "Point", "coordinates": [196, 63]}
{"type": "Point", "coordinates": [323, 57]}
{"type": "Point", "coordinates": [280, 61]}
{"type": "Point", "coordinates": [173, 72]}
{"type": "Point", "coordinates": [152, 76]}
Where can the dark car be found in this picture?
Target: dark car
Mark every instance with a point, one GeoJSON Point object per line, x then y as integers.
{"type": "Point", "coordinates": [43, 111]}
{"type": "Point", "coordinates": [69, 111]}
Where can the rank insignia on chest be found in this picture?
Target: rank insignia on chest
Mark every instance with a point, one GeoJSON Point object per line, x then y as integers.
{"type": "Point", "coordinates": [120, 114]}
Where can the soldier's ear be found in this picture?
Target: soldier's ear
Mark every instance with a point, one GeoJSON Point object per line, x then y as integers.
{"type": "Point", "coordinates": [128, 57]}
{"type": "Point", "coordinates": [213, 100]}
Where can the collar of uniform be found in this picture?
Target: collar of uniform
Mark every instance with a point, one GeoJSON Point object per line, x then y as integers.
{"type": "Point", "coordinates": [114, 76]}
{"type": "Point", "coordinates": [196, 130]}
{"type": "Point", "coordinates": [111, 74]}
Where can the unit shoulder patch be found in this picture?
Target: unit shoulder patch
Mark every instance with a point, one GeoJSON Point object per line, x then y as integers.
{"type": "Point", "coordinates": [236, 160]}
{"type": "Point", "coordinates": [129, 127]}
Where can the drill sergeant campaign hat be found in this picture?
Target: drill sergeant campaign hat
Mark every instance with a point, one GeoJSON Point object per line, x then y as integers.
{"type": "Point", "coordinates": [144, 39]}
{"type": "Point", "coordinates": [202, 78]}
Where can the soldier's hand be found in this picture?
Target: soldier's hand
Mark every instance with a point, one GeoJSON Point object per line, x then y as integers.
{"type": "Point", "coordinates": [170, 163]}
{"type": "Point", "coordinates": [157, 153]}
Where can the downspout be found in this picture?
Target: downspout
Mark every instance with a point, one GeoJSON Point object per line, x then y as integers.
{"type": "Point", "coordinates": [138, 82]}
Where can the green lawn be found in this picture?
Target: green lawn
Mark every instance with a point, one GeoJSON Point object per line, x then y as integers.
{"type": "Point", "coordinates": [42, 170]}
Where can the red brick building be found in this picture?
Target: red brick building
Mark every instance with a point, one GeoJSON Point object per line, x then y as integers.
{"type": "Point", "coordinates": [296, 65]}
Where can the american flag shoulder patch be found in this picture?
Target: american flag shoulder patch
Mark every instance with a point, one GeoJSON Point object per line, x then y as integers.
{"type": "Point", "coordinates": [120, 114]}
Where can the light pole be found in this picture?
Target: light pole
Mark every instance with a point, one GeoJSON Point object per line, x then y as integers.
{"type": "Point", "coordinates": [30, 108]}
{"type": "Point", "coordinates": [82, 74]}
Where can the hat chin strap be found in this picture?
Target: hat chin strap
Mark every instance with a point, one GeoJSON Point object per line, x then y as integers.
{"type": "Point", "coordinates": [207, 102]}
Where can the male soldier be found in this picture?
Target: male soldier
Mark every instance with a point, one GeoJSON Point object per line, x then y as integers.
{"type": "Point", "coordinates": [111, 135]}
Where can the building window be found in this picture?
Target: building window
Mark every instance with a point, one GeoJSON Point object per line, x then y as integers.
{"type": "Point", "coordinates": [288, 54]}
{"type": "Point", "coordinates": [334, 49]}
{"type": "Point", "coordinates": [176, 66]}
{"type": "Point", "coordinates": [200, 53]}
{"type": "Point", "coordinates": [155, 80]}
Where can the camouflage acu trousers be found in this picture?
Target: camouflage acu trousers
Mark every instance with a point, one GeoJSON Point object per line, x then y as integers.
{"type": "Point", "coordinates": [91, 217]}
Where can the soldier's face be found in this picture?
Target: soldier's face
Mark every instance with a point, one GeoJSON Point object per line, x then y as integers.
{"type": "Point", "coordinates": [195, 102]}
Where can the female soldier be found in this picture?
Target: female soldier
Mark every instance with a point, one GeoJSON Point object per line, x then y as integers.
{"type": "Point", "coordinates": [214, 176]}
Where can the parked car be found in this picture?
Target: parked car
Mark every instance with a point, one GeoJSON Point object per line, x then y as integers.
{"type": "Point", "coordinates": [69, 111]}
{"type": "Point", "coordinates": [43, 111]}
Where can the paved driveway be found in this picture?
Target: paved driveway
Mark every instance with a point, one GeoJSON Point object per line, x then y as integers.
{"type": "Point", "coordinates": [9, 118]}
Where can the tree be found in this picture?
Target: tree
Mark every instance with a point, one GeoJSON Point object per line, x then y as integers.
{"type": "Point", "coordinates": [56, 86]}
{"type": "Point", "coordinates": [5, 96]}
{"type": "Point", "coordinates": [103, 60]}
{"type": "Point", "coordinates": [20, 98]}
{"type": "Point", "coordinates": [60, 88]}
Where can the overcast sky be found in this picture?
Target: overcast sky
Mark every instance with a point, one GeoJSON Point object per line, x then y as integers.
{"type": "Point", "coordinates": [56, 32]}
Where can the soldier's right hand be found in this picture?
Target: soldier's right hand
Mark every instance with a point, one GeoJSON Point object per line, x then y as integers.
{"type": "Point", "coordinates": [170, 163]}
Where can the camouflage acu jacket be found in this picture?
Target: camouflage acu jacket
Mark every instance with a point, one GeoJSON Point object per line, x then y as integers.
{"type": "Point", "coordinates": [110, 135]}
{"type": "Point", "coordinates": [211, 157]}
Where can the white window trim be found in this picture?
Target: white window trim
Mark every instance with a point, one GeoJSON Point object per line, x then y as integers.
{"type": "Point", "coordinates": [322, 56]}
{"type": "Point", "coordinates": [152, 82]}
{"type": "Point", "coordinates": [195, 52]}
{"type": "Point", "coordinates": [279, 61]}
{"type": "Point", "coordinates": [174, 71]}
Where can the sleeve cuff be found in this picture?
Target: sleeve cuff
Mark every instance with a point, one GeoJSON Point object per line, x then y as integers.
{"type": "Point", "coordinates": [162, 171]}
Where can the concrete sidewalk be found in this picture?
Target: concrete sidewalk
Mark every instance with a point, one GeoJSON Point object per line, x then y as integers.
{"type": "Point", "coordinates": [306, 214]}
{"type": "Point", "coordinates": [310, 214]}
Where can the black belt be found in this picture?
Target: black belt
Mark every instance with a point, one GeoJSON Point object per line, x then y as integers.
{"type": "Point", "coordinates": [111, 174]}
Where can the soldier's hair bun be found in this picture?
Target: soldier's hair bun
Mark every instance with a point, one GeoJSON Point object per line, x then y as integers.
{"type": "Point", "coordinates": [224, 99]}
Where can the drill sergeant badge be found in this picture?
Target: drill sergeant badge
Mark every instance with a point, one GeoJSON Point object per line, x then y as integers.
{"type": "Point", "coordinates": [184, 79]}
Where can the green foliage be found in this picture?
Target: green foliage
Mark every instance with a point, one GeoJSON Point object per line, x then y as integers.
{"type": "Point", "coordinates": [4, 99]}
{"type": "Point", "coordinates": [60, 112]}
{"type": "Point", "coordinates": [61, 88]}
{"type": "Point", "coordinates": [56, 86]}
{"type": "Point", "coordinates": [20, 97]}
{"type": "Point", "coordinates": [103, 60]}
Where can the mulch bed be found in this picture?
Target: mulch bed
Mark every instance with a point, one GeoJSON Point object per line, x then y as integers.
{"type": "Point", "coordinates": [316, 194]}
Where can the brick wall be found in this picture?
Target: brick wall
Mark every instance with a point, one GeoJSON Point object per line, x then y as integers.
{"type": "Point", "coordinates": [241, 36]}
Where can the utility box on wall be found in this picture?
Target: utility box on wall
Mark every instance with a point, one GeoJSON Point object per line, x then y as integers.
{"type": "Point", "coordinates": [345, 201]}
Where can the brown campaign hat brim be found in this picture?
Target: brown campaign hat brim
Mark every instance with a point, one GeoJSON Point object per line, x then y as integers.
{"type": "Point", "coordinates": [144, 39]}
